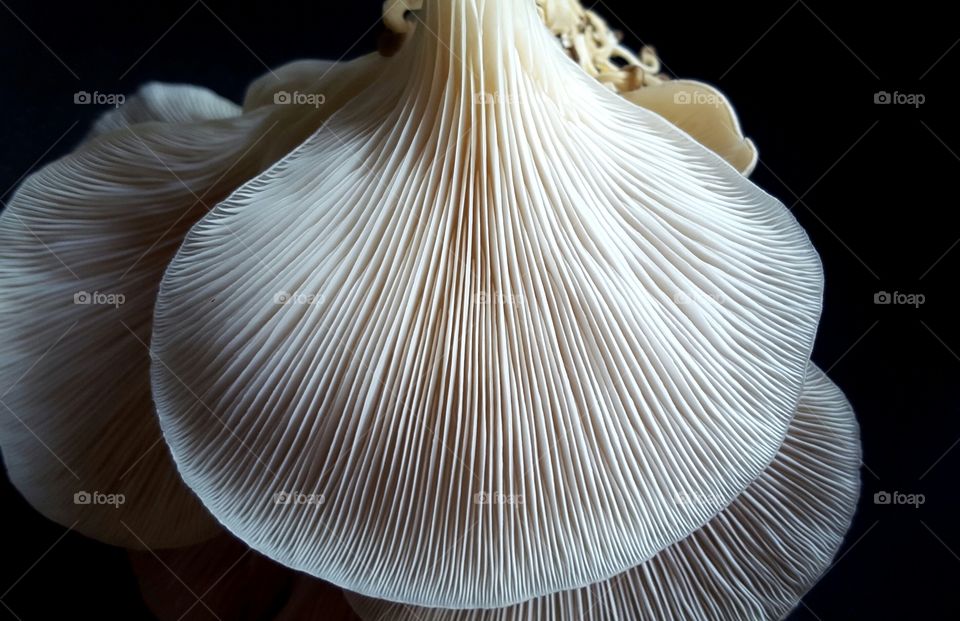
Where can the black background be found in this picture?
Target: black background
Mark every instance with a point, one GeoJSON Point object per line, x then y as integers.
{"type": "Point", "coordinates": [874, 185]}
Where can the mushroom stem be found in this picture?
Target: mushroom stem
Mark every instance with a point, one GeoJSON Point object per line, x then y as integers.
{"type": "Point", "coordinates": [594, 46]}
{"type": "Point", "coordinates": [585, 36]}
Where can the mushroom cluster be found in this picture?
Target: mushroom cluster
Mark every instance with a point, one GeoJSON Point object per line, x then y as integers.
{"type": "Point", "coordinates": [492, 326]}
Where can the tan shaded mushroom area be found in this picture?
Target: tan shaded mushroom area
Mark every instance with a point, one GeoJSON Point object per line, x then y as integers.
{"type": "Point", "coordinates": [697, 108]}
{"type": "Point", "coordinates": [703, 112]}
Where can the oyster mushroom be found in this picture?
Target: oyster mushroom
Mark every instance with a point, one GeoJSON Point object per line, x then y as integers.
{"type": "Point", "coordinates": [491, 275]}
{"type": "Point", "coordinates": [166, 103]}
{"type": "Point", "coordinates": [495, 316]}
{"type": "Point", "coordinates": [83, 244]}
{"type": "Point", "coordinates": [754, 560]}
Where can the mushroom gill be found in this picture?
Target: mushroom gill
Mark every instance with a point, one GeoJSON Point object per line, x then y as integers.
{"type": "Point", "coordinates": [489, 279]}
{"type": "Point", "coordinates": [754, 560]}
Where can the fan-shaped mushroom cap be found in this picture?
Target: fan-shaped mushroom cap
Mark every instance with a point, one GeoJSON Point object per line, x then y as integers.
{"type": "Point", "coordinates": [490, 280]}
{"type": "Point", "coordinates": [754, 560]}
{"type": "Point", "coordinates": [703, 112]}
{"type": "Point", "coordinates": [167, 103]}
{"type": "Point", "coordinates": [83, 244]}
